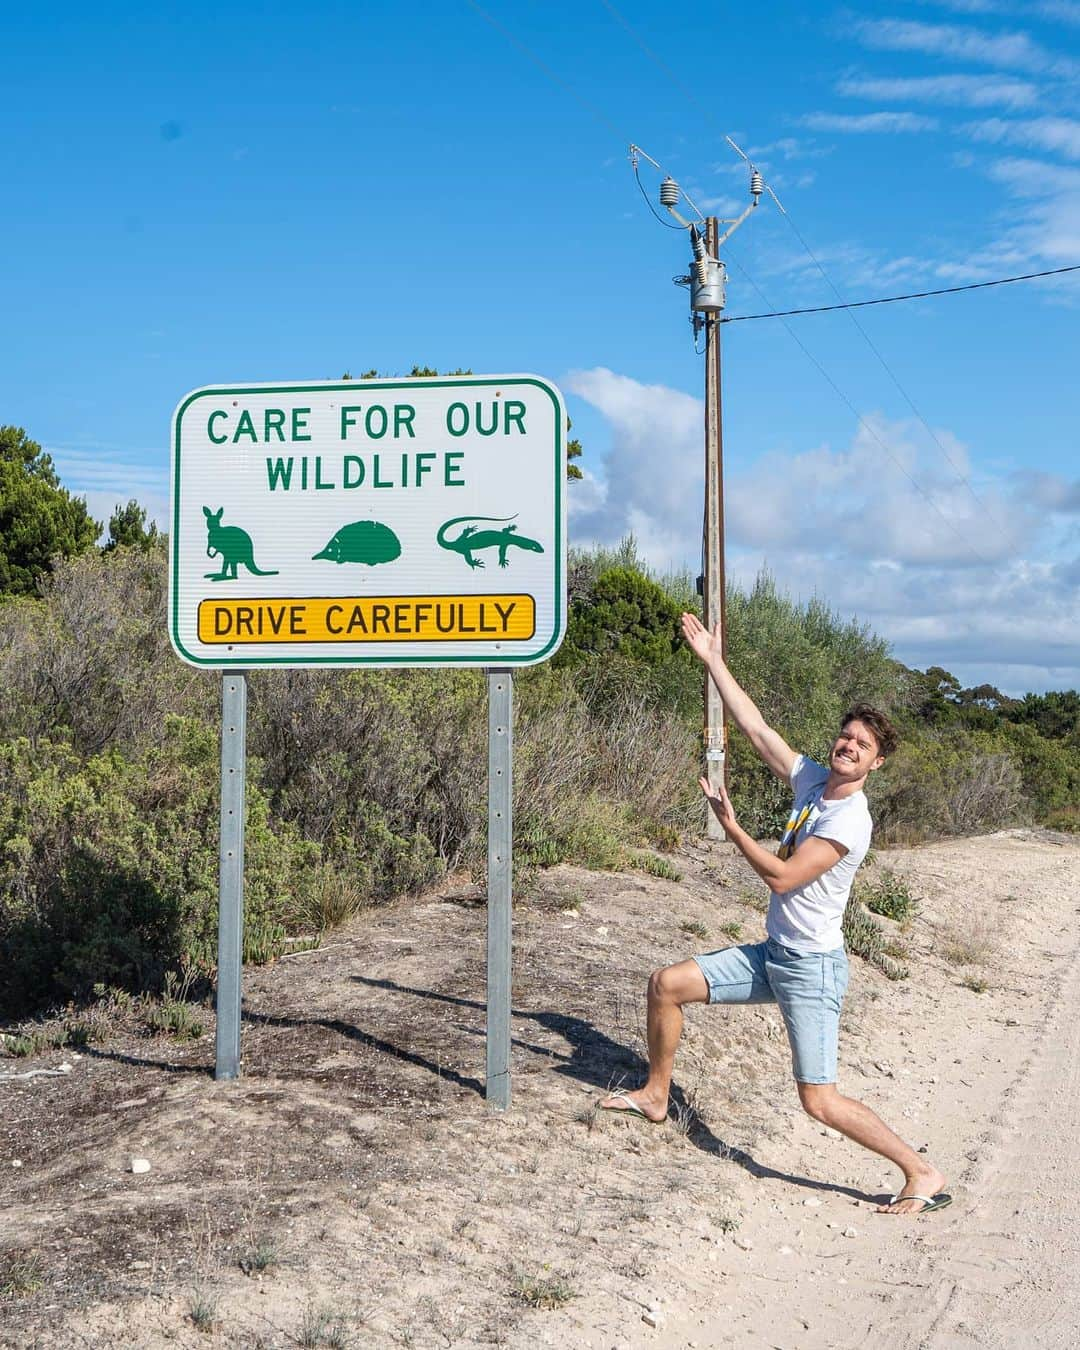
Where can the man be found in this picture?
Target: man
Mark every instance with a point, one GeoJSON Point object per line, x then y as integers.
{"type": "Point", "coordinates": [802, 966]}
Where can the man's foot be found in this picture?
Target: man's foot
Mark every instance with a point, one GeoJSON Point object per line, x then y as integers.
{"type": "Point", "coordinates": [635, 1104]}
{"type": "Point", "coordinates": [927, 1184]}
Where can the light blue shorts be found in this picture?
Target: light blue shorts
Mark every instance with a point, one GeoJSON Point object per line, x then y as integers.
{"type": "Point", "coordinates": [809, 988]}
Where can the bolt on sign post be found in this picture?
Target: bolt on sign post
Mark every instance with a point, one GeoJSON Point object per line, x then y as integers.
{"type": "Point", "coordinates": [382, 523]}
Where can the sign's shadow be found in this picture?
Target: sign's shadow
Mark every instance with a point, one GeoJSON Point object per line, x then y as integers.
{"type": "Point", "coordinates": [592, 1058]}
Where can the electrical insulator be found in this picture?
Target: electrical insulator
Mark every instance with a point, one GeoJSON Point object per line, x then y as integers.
{"type": "Point", "coordinates": [697, 243]}
{"type": "Point", "coordinates": [757, 184]}
{"type": "Point", "coordinates": [669, 192]}
{"type": "Point", "coordinates": [701, 271]}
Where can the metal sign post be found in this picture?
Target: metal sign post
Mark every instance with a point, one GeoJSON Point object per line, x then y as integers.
{"type": "Point", "coordinates": [231, 873]}
{"type": "Point", "coordinates": [500, 881]}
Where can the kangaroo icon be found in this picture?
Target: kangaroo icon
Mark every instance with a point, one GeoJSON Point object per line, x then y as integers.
{"type": "Point", "coordinates": [232, 544]}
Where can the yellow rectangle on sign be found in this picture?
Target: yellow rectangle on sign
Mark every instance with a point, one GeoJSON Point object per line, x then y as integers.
{"type": "Point", "coordinates": [382, 618]}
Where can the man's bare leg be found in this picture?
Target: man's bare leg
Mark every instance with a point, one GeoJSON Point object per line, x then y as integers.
{"type": "Point", "coordinates": [668, 990]}
{"type": "Point", "coordinates": [858, 1122]}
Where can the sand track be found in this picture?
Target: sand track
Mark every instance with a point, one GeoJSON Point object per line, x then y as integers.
{"type": "Point", "coordinates": [397, 1204]}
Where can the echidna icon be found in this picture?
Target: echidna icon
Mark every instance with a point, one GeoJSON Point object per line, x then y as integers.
{"type": "Point", "coordinates": [364, 541]}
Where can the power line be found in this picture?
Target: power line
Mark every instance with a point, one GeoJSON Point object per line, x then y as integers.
{"type": "Point", "coordinates": [893, 299]}
{"type": "Point", "coordinates": [688, 92]}
{"type": "Point", "coordinates": [591, 108]}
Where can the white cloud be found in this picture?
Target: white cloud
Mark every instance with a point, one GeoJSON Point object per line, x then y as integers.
{"type": "Point", "coordinates": [723, 206]}
{"type": "Point", "coordinates": [947, 577]}
{"type": "Point", "coordinates": [107, 480]}
{"type": "Point", "coordinates": [1066, 11]}
{"type": "Point", "coordinates": [1049, 492]}
{"type": "Point", "coordinates": [1059, 135]}
{"type": "Point", "coordinates": [971, 91]}
{"type": "Point", "coordinates": [886, 122]}
{"type": "Point", "coordinates": [652, 478]}
{"type": "Point", "coordinates": [926, 512]}
{"type": "Point", "coordinates": [1009, 51]}
{"type": "Point", "coordinates": [970, 6]}
{"type": "Point", "coordinates": [1050, 230]}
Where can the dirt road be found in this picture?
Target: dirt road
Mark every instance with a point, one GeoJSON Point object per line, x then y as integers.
{"type": "Point", "coordinates": [1007, 1272]}
{"type": "Point", "coordinates": [353, 1189]}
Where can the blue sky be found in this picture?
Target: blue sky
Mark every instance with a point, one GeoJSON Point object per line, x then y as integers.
{"type": "Point", "coordinates": [201, 194]}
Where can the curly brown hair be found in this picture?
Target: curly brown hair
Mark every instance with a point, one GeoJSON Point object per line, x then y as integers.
{"type": "Point", "coordinates": [886, 735]}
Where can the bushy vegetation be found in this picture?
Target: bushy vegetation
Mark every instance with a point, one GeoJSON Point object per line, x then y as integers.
{"type": "Point", "coordinates": [889, 895]}
{"type": "Point", "coordinates": [360, 785]}
{"type": "Point", "coordinates": [364, 785]}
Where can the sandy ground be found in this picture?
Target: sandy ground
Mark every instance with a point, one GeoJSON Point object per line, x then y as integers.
{"type": "Point", "coordinates": [353, 1189]}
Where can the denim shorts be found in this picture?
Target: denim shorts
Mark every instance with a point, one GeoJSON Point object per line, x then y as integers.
{"type": "Point", "coordinates": [809, 988]}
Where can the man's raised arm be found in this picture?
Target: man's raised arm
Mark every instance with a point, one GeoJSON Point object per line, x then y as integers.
{"type": "Point", "coordinates": [741, 708]}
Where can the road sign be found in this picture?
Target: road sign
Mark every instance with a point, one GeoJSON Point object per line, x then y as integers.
{"type": "Point", "coordinates": [369, 523]}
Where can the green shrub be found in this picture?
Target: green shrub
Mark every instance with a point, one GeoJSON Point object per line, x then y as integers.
{"type": "Point", "coordinates": [889, 895]}
{"type": "Point", "coordinates": [90, 663]}
{"type": "Point", "coordinates": [951, 782]}
{"type": "Point", "coordinates": [655, 865]}
{"type": "Point", "coordinates": [174, 1014]}
{"type": "Point", "coordinates": [624, 612]}
{"type": "Point", "coordinates": [109, 869]}
{"type": "Point", "coordinates": [1049, 769]}
{"type": "Point", "coordinates": [864, 937]}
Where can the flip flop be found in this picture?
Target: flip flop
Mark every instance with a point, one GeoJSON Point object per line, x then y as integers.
{"type": "Point", "coordinates": [629, 1108]}
{"type": "Point", "coordinates": [930, 1202]}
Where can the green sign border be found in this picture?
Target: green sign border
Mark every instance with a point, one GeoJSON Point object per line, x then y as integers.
{"type": "Point", "coordinates": [490, 659]}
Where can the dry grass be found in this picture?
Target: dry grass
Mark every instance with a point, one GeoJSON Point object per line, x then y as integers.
{"type": "Point", "coordinates": [542, 1291]}
{"type": "Point", "coordinates": [972, 946]}
{"type": "Point", "coordinates": [20, 1274]}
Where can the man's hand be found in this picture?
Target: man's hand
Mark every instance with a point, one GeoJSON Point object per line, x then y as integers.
{"type": "Point", "coordinates": [701, 642]}
{"type": "Point", "coordinates": [721, 806]}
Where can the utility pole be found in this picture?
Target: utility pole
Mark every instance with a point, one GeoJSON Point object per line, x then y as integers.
{"type": "Point", "coordinates": [707, 282]}
{"type": "Point", "coordinates": [713, 589]}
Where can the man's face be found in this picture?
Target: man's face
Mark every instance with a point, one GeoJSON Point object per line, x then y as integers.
{"type": "Point", "coordinates": [855, 752]}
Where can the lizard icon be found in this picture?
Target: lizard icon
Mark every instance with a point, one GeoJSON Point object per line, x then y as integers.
{"type": "Point", "coordinates": [470, 539]}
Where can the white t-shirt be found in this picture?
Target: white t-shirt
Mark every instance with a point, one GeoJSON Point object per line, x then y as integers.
{"type": "Point", "coordinates": [808, 918]}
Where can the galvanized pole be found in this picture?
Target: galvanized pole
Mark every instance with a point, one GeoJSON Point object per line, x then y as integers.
{"type": "Point", "coordinates": [714, 608]}
{"type": "Point", "coordinates": [499, 883]}
{"type": "Point", "coordinates": [231, 872]}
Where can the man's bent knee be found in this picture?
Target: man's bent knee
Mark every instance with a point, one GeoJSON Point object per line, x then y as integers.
{"type": "Point", "coordinates": [681, 983]}
{"type": "Point", "coordinates": [818, 1100]}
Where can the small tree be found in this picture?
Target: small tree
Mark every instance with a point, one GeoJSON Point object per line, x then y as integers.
{"type": "Point", "coordinates": [39, 519]}
{"type": "Point", "coordinates": [627, 613]}
{"type": "Point", "coordinates": [127, 529]}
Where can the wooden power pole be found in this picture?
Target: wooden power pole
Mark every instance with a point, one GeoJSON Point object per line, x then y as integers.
{"type": "Point", "coordinates": [707, 299]}
{"type": "Point", "coordinates": [713, 598]}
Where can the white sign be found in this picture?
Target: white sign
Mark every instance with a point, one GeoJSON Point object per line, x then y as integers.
{"type": "Point", "coordinates": [369, 523]}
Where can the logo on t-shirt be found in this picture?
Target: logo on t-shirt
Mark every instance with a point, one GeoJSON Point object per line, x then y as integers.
{"type": "Point", "coordinates": [790, 839]}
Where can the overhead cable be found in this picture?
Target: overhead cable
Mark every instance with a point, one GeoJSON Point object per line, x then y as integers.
{"type": "Point", "coordinates": [590, 107]}
{"type": "Point", "coordinates": [892, 299]}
